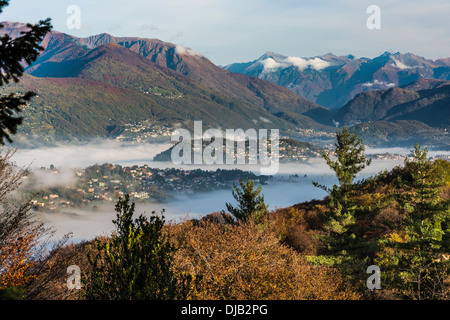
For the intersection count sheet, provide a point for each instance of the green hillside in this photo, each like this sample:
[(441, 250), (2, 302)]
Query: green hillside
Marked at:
[(404, 133), (429, 104)]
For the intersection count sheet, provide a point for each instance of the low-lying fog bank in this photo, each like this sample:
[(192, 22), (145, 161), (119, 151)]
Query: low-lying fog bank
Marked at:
[(86, 223)]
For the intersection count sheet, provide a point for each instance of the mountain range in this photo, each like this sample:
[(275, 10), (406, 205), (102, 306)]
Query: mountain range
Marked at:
[(425, 100), (94, 86), (332, 81), (89, 86)]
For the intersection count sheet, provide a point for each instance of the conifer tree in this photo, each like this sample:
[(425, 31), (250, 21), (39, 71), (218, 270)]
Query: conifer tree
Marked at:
[(350, 160), (426, 211), (420, 261), (14, 53), (250, 201)]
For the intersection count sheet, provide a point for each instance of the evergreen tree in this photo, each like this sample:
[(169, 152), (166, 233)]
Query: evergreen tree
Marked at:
[(135, 263), (420, 262), (13, 54), (250, 201), (343, 244), (421, 200), (350, 160)]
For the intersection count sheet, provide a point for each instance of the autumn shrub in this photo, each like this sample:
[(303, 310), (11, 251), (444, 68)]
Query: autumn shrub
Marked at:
[(291, 227), (218, 217), (24, 241), (16, 256), (51, 284), (388, 219), (247, 261), (20, 233)]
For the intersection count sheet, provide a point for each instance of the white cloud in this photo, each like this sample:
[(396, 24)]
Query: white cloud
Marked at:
[(316, 63), (379, 83), (297, 62), (187, 51), (73, 156), (48, 179), (270, 64)]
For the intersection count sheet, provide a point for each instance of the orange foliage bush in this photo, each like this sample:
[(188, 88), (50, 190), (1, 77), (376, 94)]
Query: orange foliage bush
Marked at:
[(292, 227), (23, 238), (247, 261), (16, 259), (52, 269)]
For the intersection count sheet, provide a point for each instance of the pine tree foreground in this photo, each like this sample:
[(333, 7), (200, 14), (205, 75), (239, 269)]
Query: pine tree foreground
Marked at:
[(250, 202), (416, 258), (350, 160)]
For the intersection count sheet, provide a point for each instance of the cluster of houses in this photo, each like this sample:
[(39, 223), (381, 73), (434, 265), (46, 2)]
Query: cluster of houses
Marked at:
[(290, 152), (395, 156), (109, 182), (143, 132), (311, 133)]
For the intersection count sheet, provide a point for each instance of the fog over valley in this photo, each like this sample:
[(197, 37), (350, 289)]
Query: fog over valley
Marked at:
[(74, 156), (86, 223)]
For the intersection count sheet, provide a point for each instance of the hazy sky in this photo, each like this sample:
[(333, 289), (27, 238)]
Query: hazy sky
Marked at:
[(227, 31)]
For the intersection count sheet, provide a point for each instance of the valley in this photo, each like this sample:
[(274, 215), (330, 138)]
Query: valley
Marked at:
[(224, 151)]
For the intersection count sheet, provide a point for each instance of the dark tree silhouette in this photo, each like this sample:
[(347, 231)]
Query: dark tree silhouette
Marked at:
[(15, 53), (135, 262)]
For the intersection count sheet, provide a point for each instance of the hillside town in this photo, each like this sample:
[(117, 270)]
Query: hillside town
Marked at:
[(107, 182), (144, 131), (289, 150)]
